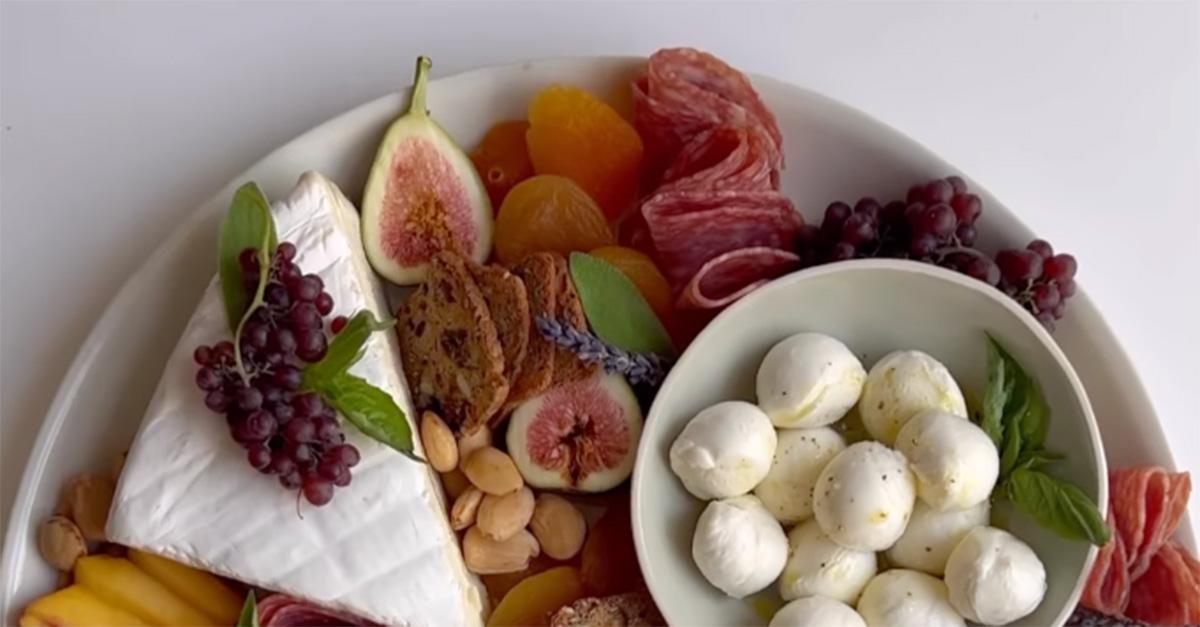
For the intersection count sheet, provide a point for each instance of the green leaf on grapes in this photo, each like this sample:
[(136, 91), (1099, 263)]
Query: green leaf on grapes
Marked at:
[(347, 347), (615, 309), (370, 409), (249, 615), (1057, 505), (247, 224)]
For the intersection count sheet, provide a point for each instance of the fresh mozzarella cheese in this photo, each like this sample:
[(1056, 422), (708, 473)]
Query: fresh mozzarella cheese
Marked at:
[(724, 451), (955, 462), (816, 612), (819, 566), (864, 497), (738, 546), (994, 578), (931, 536), (382, 549), (907, 598), (903, 384), (809, 380), (800, 456)]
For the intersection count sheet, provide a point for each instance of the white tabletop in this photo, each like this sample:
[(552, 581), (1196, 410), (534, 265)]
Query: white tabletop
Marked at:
[(118, 119)]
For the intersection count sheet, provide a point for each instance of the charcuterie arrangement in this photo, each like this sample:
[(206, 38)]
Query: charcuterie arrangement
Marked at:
[(426, 409)]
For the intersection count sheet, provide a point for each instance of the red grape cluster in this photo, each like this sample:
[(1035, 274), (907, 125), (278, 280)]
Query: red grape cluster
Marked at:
[(286, 432), (935, 223)]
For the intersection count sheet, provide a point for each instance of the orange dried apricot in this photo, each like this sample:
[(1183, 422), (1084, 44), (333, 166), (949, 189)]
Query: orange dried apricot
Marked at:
[(502, 159), (533, 600), (548, 213), (577, 135), (645, 275), (609, 563)]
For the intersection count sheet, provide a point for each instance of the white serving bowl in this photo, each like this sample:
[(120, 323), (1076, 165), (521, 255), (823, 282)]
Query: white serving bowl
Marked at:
[(875, 307)]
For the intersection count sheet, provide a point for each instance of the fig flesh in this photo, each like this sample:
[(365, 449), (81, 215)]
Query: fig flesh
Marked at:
[(423, 196)]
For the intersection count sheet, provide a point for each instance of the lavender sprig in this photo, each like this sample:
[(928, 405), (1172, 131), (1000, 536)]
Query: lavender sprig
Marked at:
[(647, 368), (1084, 617)]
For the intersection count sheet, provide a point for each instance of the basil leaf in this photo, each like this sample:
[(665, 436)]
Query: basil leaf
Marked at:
[(1036, 419), (370, 409), (249, 615), (247, 224), (616, 310), (995, 395), (1058, 506), (1012, 450), (346, 348), (1037, 458)]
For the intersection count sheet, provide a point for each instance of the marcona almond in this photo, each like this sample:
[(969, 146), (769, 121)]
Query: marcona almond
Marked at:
[(470, 442), (493, 471), (501, 517), (558, 526), (455, 483), (485, 556), (60, 542), (90, 496), (440, 448), (462, 514)]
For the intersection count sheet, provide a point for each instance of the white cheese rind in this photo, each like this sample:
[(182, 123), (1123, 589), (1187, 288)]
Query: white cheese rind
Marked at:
[(382, 549)]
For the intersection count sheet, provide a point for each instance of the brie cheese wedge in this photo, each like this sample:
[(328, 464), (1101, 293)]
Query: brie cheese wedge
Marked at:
[(381, 549)]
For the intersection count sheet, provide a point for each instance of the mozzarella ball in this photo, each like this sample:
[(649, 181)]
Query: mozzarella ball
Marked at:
[(800, 455), (903, 384), (864, 497), (809, 380), (931, 536), (955, 462), (994, 578), (724, 451), (816, 612), (818, 565), (907, 598), (738, 546)]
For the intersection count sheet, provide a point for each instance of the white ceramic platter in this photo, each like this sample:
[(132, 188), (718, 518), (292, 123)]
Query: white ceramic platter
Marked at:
[(833, 153)]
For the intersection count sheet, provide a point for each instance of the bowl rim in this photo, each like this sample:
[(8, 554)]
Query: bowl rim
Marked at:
[(995, 296)]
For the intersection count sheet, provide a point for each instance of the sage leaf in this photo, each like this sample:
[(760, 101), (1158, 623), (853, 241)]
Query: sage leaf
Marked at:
[(247, 224), (369, 408), (1057, 505), (346, 348), (995, 395), (249, 615), (615, 309)]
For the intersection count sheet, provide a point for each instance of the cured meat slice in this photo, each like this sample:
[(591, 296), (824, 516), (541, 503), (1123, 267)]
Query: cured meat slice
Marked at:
[(732, 275), (1147, 505), (690, 228), (1168, 593), (1107, 589), (281, 610), (724, 158)]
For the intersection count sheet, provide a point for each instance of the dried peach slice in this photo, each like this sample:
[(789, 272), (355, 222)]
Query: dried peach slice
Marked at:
[(533, 600)]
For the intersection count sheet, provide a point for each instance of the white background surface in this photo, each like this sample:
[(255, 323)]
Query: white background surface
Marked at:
[(118, 119)]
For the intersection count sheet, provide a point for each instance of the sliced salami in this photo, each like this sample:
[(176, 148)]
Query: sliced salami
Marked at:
[(1147, 504), (690, 228), (1107, 589), (281, 610), (732, 275), (1168, 593), (724, 158)]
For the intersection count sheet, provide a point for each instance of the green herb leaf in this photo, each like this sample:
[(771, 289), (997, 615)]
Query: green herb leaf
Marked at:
[(249, 615), (616, 310), (1037, 459), (346, 348), (1035, 422), (1057, 505), (1011, 451), (370, 409), (995, 395), (247, 224)]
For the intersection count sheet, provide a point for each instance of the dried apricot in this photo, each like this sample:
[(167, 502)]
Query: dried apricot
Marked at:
[(645, 275), (609, 563), (577, 135), (531, 601), (548, 213), (502, 159)]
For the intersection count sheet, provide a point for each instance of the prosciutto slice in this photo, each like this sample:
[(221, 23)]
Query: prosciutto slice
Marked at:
[(281, 610), (730, 276)]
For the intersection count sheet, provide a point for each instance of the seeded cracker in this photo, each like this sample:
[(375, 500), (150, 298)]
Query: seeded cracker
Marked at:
[(537, 272), (509, 306), (449, 345), (568, 368)]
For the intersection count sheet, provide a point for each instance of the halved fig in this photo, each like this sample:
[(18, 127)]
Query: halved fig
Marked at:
[(423, 196), (579, 437)]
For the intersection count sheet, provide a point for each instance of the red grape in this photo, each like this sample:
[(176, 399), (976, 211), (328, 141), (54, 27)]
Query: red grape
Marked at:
[(1042, 248), (1018, 266), (304, 316), (289, 377), (207, 379), (203, 355), (858, 229), (1046, 297), (311, 345), (290, 480), (938, 191), (346, 453), (324, 303), (1060, 267), (318, 491), (957, 184), (842, 251), (286, 251), (248, 260), (217, 401), (338, 324), (259, 456), (1066, 288), (299, 429), (967, 208)]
